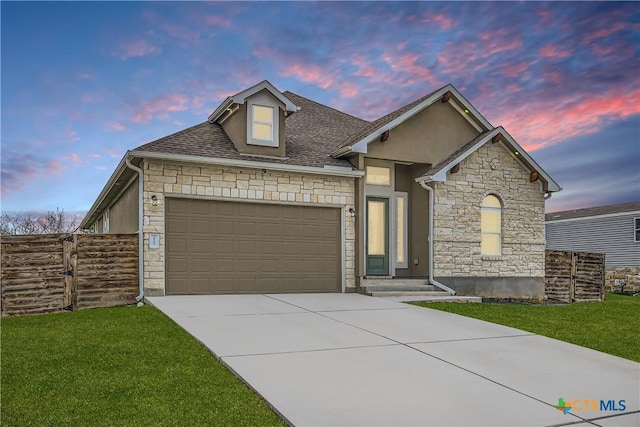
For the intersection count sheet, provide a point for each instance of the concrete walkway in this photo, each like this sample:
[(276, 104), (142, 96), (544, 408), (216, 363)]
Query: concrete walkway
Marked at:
[(353, 360)]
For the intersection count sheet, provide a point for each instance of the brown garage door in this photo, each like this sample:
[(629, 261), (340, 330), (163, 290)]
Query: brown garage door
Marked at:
[(220, 247)]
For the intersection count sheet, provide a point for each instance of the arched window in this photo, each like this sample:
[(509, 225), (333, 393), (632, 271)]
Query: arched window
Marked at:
[(491, 226)]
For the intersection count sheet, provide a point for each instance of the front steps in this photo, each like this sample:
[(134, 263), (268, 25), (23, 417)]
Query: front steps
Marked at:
[(405, 290)]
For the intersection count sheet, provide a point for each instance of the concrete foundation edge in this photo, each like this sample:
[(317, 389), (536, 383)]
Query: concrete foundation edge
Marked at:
[(496, 287)]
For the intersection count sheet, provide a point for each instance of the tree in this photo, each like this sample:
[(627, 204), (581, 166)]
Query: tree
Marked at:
[(52, 222)]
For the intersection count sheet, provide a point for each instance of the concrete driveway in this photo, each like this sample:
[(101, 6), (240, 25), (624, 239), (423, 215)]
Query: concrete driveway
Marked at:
[(353, 360)]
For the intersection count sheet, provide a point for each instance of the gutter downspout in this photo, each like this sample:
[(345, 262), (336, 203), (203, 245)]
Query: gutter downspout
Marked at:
[(548, 196), (431, 279), (140, 233)]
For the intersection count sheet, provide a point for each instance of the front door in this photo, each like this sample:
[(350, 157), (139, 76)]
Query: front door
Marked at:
[(377, 236)]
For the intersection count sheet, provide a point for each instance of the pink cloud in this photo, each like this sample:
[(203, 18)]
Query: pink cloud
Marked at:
[(543, 121), (493, 42), (218, 21), (160, 106), (309, 73), (441, 20), (113, 154), (407, 63), (54, 166), (551, 51), (136, 48), (457, 58), (117, 126), (604, 32), (515, 70)]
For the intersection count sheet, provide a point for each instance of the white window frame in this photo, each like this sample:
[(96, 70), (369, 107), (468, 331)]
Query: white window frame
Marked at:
[(498, 233), (636, 229), (263, 100), (404, 196)]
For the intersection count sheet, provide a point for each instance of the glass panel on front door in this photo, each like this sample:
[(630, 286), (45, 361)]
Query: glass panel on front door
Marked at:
[(377, 236)]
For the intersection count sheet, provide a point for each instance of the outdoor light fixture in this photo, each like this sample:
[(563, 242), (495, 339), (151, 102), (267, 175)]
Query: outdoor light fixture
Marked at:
[(352, 212), (154, 200)]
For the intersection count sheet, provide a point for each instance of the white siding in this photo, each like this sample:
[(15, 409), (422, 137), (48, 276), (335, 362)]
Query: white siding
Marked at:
[(613, 235)]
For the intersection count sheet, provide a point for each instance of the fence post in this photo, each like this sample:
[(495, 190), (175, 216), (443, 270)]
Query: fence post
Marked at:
[(574, 274), (74, 265), (67, 270), (603, 276), (70, 267)]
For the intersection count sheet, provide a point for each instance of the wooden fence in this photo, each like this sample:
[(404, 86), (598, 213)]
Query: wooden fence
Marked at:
[(53, 272), (574, 276)]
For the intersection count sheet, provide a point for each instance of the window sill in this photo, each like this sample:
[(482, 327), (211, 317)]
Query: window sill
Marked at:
[(492, 257)]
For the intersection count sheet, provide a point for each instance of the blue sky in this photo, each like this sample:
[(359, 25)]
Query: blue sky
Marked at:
[(82, 82)]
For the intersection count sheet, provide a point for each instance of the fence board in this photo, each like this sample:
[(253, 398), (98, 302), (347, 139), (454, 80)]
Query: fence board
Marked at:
[(105, 272)]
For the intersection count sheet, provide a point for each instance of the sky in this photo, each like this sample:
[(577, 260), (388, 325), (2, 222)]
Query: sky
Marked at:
[(83, 82)]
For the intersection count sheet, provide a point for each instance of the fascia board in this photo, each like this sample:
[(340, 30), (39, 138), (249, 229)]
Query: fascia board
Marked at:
[(122, 166), (361, 145), (441, 174), (220, 110), (552, 186), (249, 164), (591, 217)]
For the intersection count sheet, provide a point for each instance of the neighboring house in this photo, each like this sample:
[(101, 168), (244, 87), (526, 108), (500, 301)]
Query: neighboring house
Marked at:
[(278, 193), (613, 230)]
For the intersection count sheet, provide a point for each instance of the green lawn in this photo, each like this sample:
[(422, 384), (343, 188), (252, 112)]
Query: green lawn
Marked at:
[(118, 366), (612, 326)]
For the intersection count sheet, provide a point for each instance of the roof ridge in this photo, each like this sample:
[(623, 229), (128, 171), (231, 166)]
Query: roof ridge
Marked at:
[(325, 106)]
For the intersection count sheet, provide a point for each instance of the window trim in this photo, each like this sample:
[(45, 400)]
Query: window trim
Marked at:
[(636, 229), (405, 229), (263, 100), (493, 233)]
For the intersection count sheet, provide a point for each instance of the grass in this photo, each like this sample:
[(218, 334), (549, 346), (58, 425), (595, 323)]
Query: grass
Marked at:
[(118, 366), (612, 326)]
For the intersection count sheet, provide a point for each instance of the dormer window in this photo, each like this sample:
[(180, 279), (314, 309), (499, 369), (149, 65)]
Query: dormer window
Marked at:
[(262, 121), (262, 124)]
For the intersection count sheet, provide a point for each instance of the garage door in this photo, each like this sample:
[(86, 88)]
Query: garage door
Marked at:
[(220, 247)]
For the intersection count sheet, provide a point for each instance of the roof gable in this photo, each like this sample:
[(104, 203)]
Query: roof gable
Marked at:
[(359, 142), (438, 172), (241, 97)]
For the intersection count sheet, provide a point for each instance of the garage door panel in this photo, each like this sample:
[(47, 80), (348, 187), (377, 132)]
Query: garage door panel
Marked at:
[(178, 224), (217, 247)]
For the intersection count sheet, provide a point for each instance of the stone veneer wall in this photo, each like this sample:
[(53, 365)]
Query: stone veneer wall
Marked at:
[(489, 170), (622, 279), (237, 184)]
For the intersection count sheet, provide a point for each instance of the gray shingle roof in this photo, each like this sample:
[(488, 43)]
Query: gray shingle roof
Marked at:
[(310, 134), (594, 211)]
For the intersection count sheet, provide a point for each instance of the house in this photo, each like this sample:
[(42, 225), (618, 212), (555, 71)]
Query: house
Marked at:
[(613, 230), (277, 193)]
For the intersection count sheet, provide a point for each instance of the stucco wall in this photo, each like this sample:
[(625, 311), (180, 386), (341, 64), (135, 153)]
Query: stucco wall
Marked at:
[(490, 170), (166, 180), (428, 137)]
